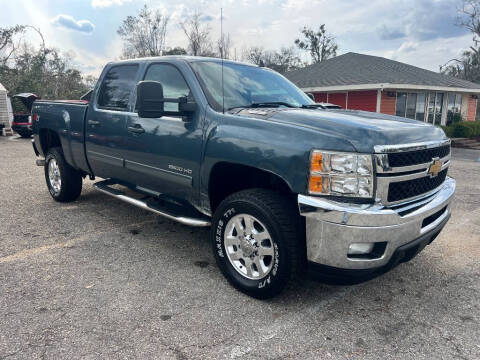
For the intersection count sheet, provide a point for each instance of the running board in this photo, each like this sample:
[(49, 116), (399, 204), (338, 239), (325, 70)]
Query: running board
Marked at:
[(170, 211)]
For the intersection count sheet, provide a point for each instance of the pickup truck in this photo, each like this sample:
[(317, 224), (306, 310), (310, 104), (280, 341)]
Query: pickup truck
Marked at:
[(288, 188)]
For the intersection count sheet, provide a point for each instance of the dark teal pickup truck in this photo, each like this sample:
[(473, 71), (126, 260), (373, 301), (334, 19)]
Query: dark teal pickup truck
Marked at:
[(288, 188)]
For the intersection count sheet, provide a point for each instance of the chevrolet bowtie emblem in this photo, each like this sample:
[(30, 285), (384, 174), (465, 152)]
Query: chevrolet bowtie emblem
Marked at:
[(435, 168)]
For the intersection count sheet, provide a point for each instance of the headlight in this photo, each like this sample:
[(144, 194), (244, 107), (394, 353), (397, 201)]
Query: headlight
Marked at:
[(341, 174)]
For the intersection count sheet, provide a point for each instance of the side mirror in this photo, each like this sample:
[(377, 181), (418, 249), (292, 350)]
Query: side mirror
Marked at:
[(310, 95), (186, 107), (150, 102)]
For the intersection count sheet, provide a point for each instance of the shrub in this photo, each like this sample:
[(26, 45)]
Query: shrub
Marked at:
[(462, 130), (457, 117)]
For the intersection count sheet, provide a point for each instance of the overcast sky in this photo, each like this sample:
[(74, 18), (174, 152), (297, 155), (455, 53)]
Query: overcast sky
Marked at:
[(418, 32)]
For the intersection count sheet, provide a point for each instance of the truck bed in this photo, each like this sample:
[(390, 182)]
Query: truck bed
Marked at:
[(67, 119)]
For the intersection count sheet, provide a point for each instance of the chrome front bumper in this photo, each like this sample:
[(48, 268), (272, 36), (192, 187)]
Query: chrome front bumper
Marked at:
[(331, 227)]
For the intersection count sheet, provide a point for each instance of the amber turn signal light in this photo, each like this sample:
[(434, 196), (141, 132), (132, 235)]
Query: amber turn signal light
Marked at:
[(317, 162), (316, 184)]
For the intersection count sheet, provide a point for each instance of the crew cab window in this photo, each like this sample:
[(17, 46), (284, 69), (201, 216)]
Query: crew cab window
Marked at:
[(117, 87), (174, 85)]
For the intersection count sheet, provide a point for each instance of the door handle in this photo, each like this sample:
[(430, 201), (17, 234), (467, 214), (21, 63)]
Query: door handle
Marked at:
[(136, 129), (93, 122)]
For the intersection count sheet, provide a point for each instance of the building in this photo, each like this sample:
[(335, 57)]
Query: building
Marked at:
[(363, 82), (4, 109)]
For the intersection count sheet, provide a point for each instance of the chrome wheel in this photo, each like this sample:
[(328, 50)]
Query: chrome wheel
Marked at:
[(54, 176), (249, 246)]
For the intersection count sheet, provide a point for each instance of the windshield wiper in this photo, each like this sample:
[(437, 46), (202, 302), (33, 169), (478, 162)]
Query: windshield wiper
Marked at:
[(312, 106), (264, 104), (271, 104)]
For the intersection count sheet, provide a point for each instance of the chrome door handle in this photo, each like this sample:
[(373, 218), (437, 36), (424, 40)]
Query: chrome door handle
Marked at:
[(136, 129), (93, 122)]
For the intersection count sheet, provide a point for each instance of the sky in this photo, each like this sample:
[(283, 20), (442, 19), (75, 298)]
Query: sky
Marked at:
[(418, 32)]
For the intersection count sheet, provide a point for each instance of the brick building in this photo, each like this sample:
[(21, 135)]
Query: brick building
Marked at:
[(363, 82)]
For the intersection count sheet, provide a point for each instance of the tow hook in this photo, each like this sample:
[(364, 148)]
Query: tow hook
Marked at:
[(40, 162)]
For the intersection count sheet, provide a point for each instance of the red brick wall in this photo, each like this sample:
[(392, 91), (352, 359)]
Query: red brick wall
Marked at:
[(387, 105), (338, 99), (472, 107), (320, 97), (362, 100)]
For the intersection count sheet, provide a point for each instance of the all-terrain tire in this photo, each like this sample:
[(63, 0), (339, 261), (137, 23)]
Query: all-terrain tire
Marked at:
[(70, 185), (278, 215)]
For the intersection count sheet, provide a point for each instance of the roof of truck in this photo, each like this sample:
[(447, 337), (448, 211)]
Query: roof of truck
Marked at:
[(187, 58)]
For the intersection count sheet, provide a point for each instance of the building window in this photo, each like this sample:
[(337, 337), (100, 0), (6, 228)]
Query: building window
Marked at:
[(420, 114), (435, 108), (411, 105), (454, 106), (401, 104)]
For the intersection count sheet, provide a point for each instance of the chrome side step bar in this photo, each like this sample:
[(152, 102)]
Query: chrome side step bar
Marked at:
[(157, 208)]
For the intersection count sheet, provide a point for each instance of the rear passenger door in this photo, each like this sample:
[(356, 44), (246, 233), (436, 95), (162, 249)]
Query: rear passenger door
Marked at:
[(106, 127)]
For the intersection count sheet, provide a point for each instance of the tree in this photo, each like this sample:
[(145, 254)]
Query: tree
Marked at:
[(223, 46), (281, 61), (144, 34), (175, 51), (284, 60), (8, 44), (467, 66), (319, 44), (255, 54), (198, 35)]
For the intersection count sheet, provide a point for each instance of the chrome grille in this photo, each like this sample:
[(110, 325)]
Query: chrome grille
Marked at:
[(403, 171), (409, 158), (410, 188)]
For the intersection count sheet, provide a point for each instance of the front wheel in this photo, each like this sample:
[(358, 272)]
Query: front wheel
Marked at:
[(64, 183), (256, 241)]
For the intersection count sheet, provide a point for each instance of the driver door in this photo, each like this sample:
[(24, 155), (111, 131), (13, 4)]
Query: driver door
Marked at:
[(163, 154)]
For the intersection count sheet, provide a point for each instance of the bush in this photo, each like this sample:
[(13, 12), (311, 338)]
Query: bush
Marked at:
[(462, 129)]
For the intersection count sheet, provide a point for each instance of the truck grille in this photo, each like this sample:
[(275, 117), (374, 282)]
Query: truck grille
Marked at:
[(410, 188), (403, 171), (410, 158)]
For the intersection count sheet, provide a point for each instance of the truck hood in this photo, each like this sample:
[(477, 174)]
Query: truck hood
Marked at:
[(362, 129)]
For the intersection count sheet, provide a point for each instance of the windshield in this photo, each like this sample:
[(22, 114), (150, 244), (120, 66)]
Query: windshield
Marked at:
[(246, 85)]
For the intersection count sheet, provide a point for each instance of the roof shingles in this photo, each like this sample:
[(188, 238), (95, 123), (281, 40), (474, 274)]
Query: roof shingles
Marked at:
[(358, 69)]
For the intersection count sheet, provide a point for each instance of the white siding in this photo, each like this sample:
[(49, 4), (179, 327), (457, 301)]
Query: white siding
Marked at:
[(3, 107)]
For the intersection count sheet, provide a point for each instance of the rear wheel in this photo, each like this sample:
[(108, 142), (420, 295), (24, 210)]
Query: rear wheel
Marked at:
[(256, 241), (64, 183)]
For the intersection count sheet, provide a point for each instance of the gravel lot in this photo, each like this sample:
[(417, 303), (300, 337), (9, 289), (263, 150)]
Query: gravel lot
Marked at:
[(98, 278)]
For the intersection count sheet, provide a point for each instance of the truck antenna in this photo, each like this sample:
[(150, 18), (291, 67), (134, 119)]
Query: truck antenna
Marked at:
[(222, 55)]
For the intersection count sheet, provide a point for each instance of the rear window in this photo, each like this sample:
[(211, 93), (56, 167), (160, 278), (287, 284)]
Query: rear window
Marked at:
[(117, 87)]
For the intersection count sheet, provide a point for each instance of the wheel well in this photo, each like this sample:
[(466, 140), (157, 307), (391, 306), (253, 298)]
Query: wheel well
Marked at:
[(49, 139), (228, 178)]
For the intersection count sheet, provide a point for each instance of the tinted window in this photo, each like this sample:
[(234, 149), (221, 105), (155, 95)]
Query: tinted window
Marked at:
[(117, 86), (174, 85)]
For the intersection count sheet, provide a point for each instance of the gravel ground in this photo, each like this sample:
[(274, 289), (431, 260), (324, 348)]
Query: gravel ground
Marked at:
[(98, 278)]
